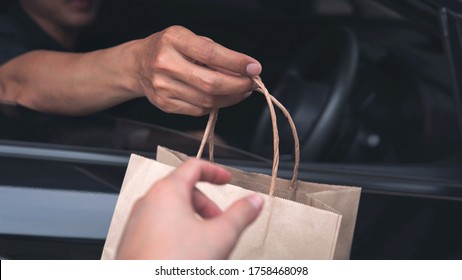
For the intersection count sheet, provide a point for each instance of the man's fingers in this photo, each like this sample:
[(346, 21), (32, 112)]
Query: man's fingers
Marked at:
[(196, 84), (211, 53), (210, 80)]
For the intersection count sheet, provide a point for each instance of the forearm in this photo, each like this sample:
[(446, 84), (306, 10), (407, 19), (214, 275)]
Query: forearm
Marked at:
[(174, 68), (70, 83)]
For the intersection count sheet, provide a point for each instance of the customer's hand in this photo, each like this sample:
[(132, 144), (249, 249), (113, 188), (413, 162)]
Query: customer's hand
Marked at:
[(164, 223), (184, 73)]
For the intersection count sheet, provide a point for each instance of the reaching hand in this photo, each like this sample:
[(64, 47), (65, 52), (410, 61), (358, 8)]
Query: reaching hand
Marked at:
[(164, 223), (184, 73), (177, 70)]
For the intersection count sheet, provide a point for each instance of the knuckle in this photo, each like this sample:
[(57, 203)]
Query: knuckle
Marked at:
[(207, 51), (198, 112), (160, 103), (160, 62), (209, 84), (168, 108), (173, 34), (163, 104), (170, 34), (207, 102), (175, 29), (158, 84)]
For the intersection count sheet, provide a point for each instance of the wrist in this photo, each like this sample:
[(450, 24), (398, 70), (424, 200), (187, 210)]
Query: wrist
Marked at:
[(125, 67)]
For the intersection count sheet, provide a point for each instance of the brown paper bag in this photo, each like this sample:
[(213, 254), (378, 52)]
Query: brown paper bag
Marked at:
[(318, 225), (300, 220)]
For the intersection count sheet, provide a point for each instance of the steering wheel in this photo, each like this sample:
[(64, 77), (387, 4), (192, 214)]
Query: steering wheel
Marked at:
[(315, 89)]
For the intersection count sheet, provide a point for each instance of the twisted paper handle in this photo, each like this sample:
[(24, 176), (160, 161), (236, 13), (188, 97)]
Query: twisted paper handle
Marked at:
[(270, 100)]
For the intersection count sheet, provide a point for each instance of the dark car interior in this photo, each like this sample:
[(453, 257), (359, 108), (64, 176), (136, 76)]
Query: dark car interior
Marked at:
[(369, 84), (364, 83)]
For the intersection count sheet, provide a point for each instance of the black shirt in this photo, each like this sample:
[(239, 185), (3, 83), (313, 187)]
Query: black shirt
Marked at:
[(20, 34)]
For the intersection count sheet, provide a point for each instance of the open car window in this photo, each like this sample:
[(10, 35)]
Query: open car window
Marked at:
[(371, 85)]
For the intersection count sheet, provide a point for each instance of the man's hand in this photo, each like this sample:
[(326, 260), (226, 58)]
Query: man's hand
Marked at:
[(184, 73), (177, 70), (164, 223)]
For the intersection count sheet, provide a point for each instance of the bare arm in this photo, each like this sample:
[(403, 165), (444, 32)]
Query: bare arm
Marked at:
[(70, 83), (172, 68)]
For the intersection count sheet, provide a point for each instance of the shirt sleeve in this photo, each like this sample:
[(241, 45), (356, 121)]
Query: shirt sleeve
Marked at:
[(11, 41)]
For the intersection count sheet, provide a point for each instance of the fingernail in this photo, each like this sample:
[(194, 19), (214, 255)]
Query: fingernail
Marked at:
[(253, 69), (256, 201), (247, 94)]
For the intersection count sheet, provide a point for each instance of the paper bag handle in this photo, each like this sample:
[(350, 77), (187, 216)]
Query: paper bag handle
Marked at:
[(210, 128)]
